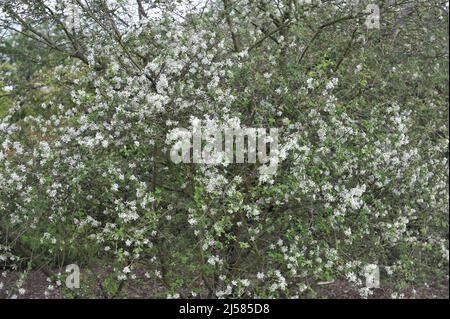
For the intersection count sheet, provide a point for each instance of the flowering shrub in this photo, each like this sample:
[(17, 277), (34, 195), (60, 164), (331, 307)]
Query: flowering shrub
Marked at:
[(86, 176)]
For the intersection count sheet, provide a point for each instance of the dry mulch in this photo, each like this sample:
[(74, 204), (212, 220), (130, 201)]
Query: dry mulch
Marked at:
[(36, 284), (343, 290)]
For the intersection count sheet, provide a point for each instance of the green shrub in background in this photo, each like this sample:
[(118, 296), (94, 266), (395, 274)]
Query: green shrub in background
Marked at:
[(86, 176)]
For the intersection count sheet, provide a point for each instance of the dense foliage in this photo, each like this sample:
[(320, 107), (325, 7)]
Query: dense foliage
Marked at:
[(85, 173)]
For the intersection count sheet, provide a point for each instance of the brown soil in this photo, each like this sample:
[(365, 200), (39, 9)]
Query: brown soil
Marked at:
[(36, 284)]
